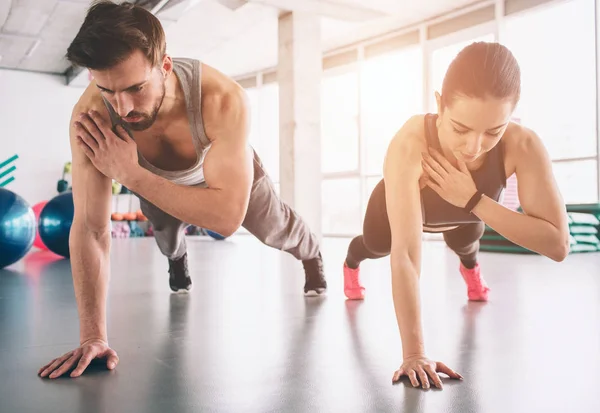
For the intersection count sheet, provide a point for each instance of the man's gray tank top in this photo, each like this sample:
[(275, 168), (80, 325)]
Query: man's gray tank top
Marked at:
[(188, 71)]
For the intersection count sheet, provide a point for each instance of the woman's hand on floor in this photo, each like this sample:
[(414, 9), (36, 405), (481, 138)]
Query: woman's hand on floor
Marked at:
[(421, 371)]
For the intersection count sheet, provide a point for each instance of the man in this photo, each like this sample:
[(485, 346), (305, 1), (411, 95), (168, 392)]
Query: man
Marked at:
[(175, 132)]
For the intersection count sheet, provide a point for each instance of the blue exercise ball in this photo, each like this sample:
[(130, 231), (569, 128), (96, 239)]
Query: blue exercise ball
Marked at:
[(215, 235), (55, 223), (17, 227)]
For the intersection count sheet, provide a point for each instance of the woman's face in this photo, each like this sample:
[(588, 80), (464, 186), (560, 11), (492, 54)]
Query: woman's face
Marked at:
[(470, 127)]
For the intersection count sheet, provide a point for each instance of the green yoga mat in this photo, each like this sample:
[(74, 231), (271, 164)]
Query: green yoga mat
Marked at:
[(583, 230), (582, 218), (492, 237), (587, 239), (584, 248), (513, 249), (587, 208)]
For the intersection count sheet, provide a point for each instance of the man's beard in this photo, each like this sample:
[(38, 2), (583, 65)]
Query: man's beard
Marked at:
[(147, 120)]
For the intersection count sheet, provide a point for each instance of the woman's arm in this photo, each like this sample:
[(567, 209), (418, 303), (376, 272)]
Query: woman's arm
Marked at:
[(543, 227), (402, 170)]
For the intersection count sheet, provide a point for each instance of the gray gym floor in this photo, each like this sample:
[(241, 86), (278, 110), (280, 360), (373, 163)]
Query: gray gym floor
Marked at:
[(247, 340)]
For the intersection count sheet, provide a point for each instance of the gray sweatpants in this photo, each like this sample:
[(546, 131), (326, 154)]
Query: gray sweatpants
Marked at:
[(268, 218)]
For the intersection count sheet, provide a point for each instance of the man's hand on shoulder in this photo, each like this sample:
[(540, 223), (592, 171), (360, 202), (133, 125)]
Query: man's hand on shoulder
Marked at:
[(114, 153)]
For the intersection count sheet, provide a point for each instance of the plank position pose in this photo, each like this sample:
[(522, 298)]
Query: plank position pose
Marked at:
[(175, 132), (445, 172)]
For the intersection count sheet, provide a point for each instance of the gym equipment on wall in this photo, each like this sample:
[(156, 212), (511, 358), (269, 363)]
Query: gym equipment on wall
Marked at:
[(63, 184), (4, 181)]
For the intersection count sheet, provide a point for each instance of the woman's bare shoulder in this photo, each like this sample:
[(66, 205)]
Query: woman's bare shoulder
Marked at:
[(520, 143), (407, 145)]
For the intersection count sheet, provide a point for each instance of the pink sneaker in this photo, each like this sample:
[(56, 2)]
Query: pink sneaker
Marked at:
[(352, 287), (477, 289)]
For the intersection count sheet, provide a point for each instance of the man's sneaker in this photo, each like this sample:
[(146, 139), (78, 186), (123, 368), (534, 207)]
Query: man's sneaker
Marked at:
[(315, 283), (477, 289), (179, 278), (353, 289)]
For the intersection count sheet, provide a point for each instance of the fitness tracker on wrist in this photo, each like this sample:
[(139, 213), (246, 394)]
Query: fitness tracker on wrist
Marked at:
[(473, 201)]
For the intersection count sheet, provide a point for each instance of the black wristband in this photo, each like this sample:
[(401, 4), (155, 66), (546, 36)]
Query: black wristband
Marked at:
[(473, 201)]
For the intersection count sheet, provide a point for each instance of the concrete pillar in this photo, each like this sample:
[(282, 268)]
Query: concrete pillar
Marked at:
[(597, 9), (299, 74)]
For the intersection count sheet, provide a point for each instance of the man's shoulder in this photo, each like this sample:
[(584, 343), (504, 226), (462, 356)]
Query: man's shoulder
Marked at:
[(222, 97)]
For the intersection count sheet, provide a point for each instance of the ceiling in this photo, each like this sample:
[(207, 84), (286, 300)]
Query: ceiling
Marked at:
[(236, 36)]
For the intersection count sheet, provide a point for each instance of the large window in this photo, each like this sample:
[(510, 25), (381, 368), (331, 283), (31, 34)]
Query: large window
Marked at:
[(341, 195), (339, 122), (341, 200), (391, 92), (267, 130), (555, 48), (254, 137), (366, 102), (264, 127), (576, 181)]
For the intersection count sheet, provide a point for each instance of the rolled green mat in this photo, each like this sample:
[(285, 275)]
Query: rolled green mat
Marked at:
[(490, 232), (512, 249), (587, 239), (492, 237), (577, 248), (584, 248), (587, 208), (500, 241), (583, 230), (581, 218)]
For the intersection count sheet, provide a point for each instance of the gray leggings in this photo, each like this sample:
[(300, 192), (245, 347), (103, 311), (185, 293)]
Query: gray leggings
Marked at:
[(268, 218), (376, 240)]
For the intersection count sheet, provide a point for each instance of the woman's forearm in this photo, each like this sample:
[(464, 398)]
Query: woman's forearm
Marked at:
[(532, 233), (407, 304)]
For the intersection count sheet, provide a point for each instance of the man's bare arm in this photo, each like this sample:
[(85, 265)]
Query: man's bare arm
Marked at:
[(89, 241), (228, 172), (89, 244)]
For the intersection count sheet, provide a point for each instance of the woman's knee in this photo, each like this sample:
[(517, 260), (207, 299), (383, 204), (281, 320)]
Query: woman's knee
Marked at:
[(377, 245)]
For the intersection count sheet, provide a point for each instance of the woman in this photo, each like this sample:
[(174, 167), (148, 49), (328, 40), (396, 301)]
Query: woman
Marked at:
[(446, 173)]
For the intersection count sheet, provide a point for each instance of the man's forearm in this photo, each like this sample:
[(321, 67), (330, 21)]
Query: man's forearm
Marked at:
[(90, 264), (202, 207), (529, 232)]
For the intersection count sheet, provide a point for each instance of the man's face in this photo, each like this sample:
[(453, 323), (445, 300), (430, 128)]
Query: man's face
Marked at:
[(134, 88)]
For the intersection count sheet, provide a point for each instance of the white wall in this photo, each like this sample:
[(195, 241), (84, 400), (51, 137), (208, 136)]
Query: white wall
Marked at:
[(34, 123)]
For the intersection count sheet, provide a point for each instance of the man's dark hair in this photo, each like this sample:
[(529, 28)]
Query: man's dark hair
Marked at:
[(111, 32)]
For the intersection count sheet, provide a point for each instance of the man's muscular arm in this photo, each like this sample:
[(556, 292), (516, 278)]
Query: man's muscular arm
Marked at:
[(89, 245), (228, 171)]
